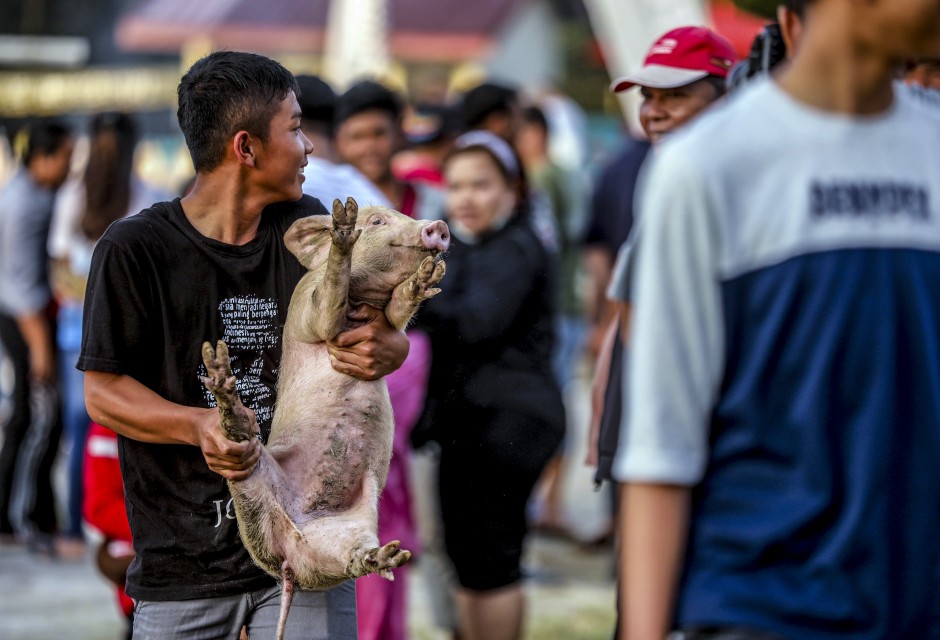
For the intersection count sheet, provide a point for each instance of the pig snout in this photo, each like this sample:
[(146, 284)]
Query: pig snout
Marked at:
[(436, 236)]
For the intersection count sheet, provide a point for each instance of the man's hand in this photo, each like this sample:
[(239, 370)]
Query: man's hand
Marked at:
[(42, 364), (37, 335), (371, 351), (231, 460)]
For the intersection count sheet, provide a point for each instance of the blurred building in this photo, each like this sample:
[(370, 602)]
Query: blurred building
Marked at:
[(515, 41), (625, 29), (60, 57)]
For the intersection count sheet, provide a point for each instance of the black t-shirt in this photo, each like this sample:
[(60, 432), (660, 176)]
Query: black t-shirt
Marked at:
[(157, 290), (491, 330), (612, 205)]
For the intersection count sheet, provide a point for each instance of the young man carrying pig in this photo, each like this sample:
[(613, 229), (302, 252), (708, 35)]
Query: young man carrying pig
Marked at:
[(210, 266)]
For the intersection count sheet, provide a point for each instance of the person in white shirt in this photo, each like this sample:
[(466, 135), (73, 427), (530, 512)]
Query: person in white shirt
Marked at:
[(326, 176)]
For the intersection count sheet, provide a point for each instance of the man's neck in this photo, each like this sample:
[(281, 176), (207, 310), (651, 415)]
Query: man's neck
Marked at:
[(37, 179), (833, 73), (219, 209)]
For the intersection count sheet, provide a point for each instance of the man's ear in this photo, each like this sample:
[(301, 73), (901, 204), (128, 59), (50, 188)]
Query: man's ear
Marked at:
[(243, 146), (791, 28)]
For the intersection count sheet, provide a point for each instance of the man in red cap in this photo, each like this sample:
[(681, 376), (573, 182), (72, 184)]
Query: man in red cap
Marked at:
[(682, 74)]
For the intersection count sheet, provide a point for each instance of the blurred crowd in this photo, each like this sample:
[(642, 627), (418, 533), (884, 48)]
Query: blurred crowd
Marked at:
[(544, 284), (370, 143)]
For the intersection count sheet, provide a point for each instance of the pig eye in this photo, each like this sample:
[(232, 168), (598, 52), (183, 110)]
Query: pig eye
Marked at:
[(378, 221)]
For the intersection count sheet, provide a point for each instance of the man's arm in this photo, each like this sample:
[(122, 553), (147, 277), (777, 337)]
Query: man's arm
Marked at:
[(598, 265), (598, 390), (653, 524), (371, 351), (127, 407), (676, 336), (602, 365), (37, 334)]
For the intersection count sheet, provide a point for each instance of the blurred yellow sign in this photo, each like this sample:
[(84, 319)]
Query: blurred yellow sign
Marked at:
[(31, 93)]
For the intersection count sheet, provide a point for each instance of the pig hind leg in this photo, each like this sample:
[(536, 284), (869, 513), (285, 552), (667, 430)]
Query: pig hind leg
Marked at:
[(344, 545), (367, 556), (264, 525), (236, 422), (382, 560)]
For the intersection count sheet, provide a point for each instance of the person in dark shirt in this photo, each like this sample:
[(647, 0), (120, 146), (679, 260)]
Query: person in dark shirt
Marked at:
[(493, 403), (609, 223)]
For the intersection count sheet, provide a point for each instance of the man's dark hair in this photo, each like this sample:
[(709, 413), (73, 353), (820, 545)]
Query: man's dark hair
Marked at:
[(227, 92), (484, 100), (44, 138), (718, 84), (534, 115), (797, 6), (430, 123), (317, 103), (368, 95), (107, 178)]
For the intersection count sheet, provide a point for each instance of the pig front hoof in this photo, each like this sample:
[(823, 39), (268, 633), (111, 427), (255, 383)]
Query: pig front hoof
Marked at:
[(429, 273), (383, 559), (219, 369), (344, 224)]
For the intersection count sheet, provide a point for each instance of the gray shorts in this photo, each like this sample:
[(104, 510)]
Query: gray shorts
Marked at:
[(314, 615)]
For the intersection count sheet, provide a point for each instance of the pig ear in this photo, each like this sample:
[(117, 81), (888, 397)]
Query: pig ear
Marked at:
[(307, 237)]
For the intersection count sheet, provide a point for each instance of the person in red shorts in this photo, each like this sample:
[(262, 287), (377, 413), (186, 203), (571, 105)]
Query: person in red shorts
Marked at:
[(104, 509)]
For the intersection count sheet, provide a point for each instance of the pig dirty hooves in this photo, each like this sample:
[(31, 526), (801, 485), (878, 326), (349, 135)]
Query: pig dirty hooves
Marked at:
[(344, 230), (221, 383), (220, 380), (382, 560), (429, 273)]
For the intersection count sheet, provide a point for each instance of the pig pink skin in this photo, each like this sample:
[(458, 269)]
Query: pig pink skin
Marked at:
[(312, 499)]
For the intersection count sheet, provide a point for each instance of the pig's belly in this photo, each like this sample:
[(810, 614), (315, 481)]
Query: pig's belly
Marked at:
[(331, 432)]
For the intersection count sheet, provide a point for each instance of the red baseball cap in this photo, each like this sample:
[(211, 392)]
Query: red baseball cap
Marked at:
[(681, 57)]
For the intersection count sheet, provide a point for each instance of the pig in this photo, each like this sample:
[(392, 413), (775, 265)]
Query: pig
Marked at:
[(307, 513)]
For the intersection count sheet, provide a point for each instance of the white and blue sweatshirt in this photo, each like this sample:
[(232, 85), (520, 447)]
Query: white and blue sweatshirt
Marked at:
[(786, 364)]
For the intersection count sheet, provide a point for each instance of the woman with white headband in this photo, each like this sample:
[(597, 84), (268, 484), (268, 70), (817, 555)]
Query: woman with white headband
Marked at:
[(493, 404)]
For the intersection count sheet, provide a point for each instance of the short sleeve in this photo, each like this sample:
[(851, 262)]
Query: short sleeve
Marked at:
[(27, 287), (117, 328), (677, 339)]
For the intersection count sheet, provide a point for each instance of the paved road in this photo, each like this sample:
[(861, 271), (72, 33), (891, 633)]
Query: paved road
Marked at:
[(570, 597), (571, 592)]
